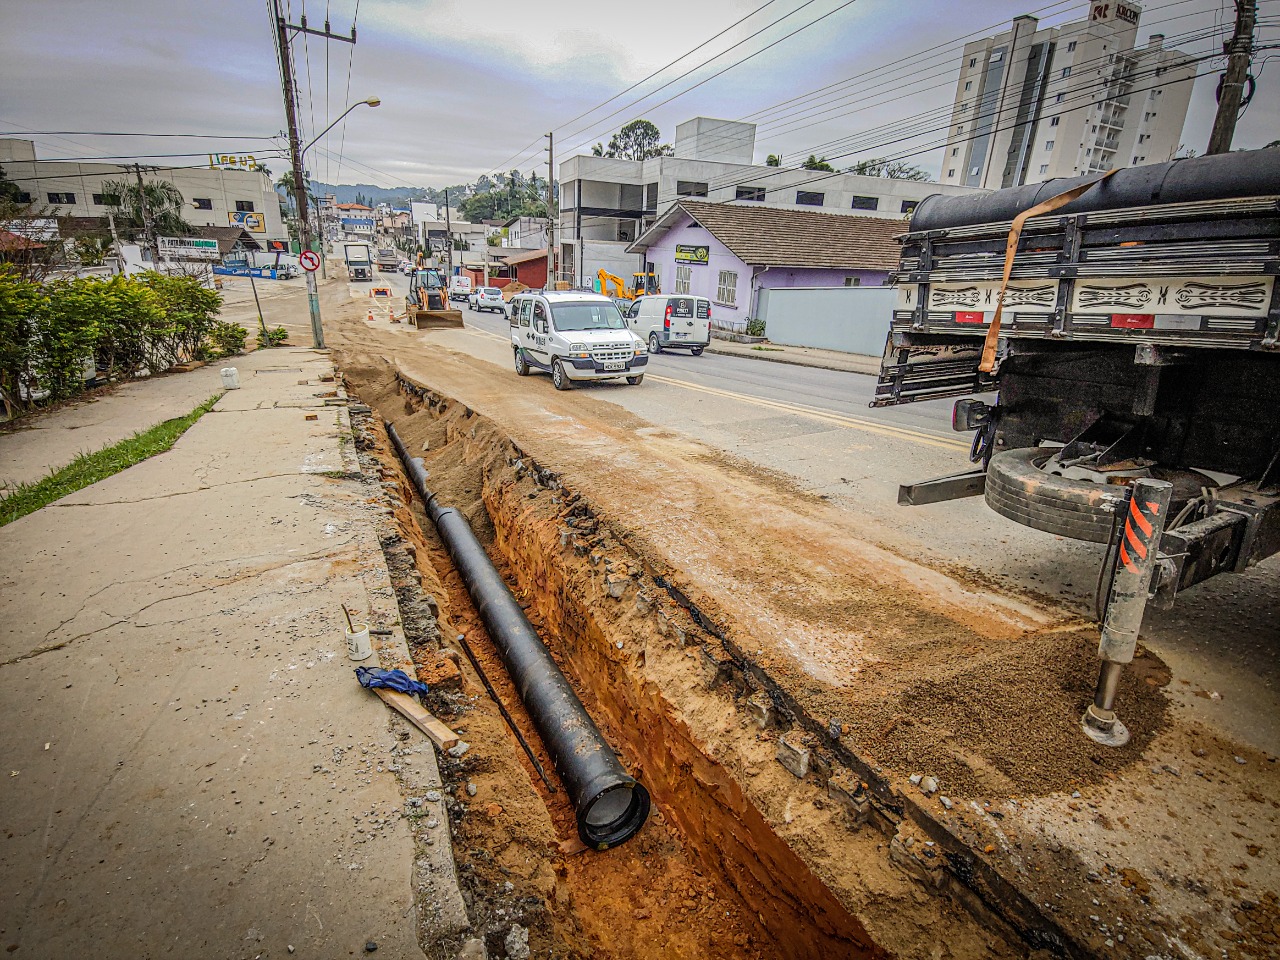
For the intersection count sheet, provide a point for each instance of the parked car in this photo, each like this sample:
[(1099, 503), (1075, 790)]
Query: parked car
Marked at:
[(487, 298), (574, 336), (666, 321), (405, 267)]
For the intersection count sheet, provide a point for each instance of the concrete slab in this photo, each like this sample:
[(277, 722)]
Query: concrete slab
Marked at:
[(191, 768)]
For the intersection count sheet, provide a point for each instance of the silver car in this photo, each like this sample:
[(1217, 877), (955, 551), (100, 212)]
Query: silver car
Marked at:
[(487, 298)]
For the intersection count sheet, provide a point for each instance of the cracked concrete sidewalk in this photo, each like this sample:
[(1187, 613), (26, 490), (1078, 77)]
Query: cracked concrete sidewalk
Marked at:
[(190, 767)]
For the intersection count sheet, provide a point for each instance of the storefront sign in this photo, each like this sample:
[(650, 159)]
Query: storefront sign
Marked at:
[(689, 253), (188, 248), (253, 222)]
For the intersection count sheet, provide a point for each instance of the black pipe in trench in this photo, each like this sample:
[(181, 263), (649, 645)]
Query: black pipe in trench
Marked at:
[(610, 804)]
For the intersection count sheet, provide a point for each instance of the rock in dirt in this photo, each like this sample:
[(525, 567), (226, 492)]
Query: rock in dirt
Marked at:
[(459, 749), (517, 943), (473, 949), (928, 785)]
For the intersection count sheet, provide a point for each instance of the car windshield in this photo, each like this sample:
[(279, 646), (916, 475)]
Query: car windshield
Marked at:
[(492, 292), (587, 316)]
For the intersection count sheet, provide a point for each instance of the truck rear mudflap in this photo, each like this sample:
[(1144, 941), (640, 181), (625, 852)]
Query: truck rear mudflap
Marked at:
[(926, 368)]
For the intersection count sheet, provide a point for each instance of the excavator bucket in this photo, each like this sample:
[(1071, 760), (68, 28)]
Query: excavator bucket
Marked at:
[(436, 314)]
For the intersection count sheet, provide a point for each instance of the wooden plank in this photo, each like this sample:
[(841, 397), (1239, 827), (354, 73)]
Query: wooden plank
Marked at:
[(419, 716)]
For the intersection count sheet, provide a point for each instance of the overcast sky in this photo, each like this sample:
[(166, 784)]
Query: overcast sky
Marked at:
[(467, 88)]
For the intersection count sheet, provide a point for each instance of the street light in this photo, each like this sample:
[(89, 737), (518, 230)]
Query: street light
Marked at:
[(300, 200)]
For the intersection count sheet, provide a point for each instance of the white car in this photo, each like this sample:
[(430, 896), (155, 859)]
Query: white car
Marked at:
[(574, 336), (487, 298)]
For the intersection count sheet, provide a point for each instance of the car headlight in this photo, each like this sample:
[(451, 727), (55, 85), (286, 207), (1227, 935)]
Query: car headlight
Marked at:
[(640, 347)]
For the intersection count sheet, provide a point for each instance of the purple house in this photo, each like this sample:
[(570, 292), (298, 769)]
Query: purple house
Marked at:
[(729, 252)]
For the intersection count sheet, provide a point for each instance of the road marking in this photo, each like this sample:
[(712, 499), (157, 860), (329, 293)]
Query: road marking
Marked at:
[(843, 420), (839, 419)]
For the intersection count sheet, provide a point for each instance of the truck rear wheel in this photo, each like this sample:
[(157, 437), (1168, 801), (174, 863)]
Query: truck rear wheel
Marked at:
[(1019, 489)]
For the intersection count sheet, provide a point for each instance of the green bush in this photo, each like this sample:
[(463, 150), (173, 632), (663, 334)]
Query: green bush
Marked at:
[(273, 337), (225, 339), (21, 303), (190, 312), (755, 327)]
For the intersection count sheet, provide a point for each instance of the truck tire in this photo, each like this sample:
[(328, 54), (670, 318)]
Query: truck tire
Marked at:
[(1017, 488), (559, 379), (654, 345), (696, 351)]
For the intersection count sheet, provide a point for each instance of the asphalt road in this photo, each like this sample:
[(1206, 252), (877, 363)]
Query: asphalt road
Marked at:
[(814, 426)]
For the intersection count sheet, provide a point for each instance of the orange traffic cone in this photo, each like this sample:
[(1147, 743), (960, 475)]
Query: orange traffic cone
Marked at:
[(369, 318)]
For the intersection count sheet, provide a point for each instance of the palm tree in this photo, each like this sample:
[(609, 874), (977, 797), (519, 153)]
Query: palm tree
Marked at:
[(164, 202)]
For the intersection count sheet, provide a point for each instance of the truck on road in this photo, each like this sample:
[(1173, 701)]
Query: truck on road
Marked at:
[(359, 261), (1130, 332), (388, 259)]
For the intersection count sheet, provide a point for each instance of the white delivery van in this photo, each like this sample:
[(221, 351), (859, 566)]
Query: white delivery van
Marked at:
[(459, 287), (671, 320), (574, 336)]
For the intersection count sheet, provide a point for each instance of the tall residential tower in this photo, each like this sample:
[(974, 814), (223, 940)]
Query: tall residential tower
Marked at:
[(1032, 104)]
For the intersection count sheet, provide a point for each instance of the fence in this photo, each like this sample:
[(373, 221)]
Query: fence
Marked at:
[(849, 319)]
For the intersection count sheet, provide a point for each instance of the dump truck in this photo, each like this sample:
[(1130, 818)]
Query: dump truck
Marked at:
[(1122, 336), (388, 259), (359, 261), (427, 304)]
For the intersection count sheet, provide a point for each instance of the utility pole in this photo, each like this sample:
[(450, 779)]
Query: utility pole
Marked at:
[(1239, 50), (448, 232), (295, 150), (320, 232), (551, 211), (148, 225)]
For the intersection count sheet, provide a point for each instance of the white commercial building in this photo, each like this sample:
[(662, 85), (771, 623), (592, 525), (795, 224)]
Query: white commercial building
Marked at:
[(1033, 104), (606, 204), (214, 197)]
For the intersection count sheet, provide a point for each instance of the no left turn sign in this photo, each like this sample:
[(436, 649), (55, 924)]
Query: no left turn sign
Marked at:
[(309, 259)]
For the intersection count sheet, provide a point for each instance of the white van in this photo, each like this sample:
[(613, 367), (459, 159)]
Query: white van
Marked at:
[(459, 287), (574, 336), (667, 320)]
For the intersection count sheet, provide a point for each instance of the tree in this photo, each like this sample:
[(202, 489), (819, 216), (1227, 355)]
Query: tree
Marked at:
[(8, 189), (638, 140), (889, 169), (773, 160), (813, 163), (164, 203)]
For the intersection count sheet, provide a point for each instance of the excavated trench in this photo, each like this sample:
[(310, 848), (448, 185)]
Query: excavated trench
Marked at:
[(723, 868)]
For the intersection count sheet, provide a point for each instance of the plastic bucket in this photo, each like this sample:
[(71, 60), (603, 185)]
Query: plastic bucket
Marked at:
[(230, 378), (358, 646)]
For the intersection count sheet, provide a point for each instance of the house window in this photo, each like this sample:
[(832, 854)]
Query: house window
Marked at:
[(968, 85), (810, 198), (1053, 121), (951, 172), (866, 203), (62, 198), (24, 197), (1048, 144), (909, 206), (1066, 72), (973, 61), (106, 200), (964, 107), (750, 193), (955, 151), (690, 188), (973, 171), (1071, 47), (1058, 98), (727, 288), (244, 206), (1044, 168), (684, 279), (1142, 137), (853, 281), (202, 203)]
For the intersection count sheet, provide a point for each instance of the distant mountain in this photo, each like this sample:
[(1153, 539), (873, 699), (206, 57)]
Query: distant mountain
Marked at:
[(346, 192)]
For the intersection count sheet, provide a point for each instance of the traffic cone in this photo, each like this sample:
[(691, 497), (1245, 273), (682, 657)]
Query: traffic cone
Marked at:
[(369, 318)]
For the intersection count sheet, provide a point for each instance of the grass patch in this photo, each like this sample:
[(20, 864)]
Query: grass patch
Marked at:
[(89, 468), (771, 349)]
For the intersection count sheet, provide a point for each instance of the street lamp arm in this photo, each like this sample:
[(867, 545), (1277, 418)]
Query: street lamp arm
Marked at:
[(371, 102)]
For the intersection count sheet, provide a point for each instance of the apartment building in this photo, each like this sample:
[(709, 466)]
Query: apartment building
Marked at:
[(605, 204), (1032, 104), (215, 197)]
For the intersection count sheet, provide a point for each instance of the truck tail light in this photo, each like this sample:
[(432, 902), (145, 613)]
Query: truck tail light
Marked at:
[(666, 318)]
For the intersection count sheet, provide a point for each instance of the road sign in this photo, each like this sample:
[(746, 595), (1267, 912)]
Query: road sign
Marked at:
[(309, 259)]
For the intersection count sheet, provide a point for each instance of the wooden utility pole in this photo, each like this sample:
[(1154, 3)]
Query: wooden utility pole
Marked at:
[(551, 211), (448, 231), (1239, 51), (295, 150)]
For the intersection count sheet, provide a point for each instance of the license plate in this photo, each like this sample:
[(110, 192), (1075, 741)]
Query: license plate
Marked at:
[(615, 366), (680, 335)]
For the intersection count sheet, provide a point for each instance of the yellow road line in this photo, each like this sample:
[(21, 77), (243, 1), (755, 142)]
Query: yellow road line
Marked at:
[(839, 419), (844, 420)]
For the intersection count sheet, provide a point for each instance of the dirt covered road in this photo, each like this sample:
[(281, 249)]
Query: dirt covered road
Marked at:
[(873, 666)]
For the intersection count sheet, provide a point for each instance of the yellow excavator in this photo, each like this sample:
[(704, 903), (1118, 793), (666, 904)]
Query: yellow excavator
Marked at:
[(427, 304), (641, 283)]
